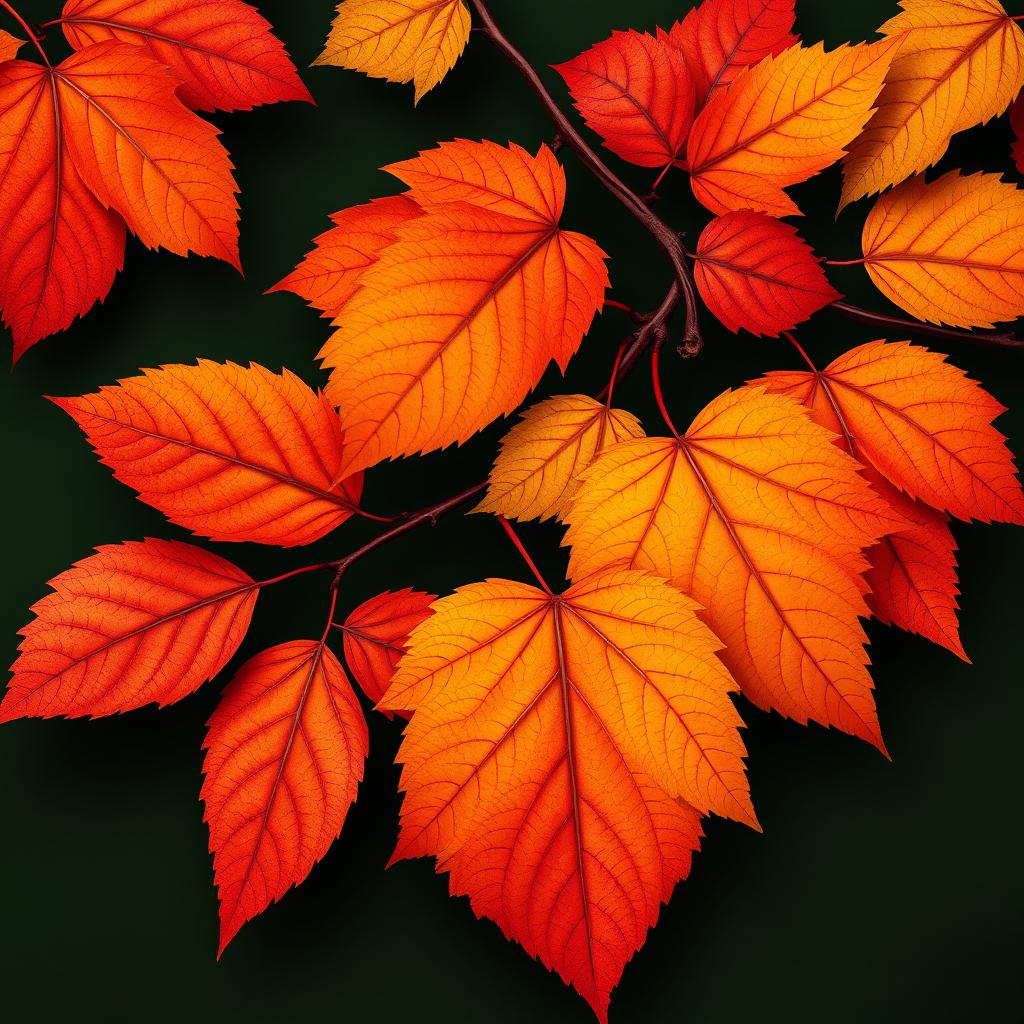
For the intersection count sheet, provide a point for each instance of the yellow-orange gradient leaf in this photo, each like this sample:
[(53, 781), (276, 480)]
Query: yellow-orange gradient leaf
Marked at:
[(552, 742), (950, 252), (538, 468), (457, 320), (759, 516), (960, 62), (415, 41), (782, 121)]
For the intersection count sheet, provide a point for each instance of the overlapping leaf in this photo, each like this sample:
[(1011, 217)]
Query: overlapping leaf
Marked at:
[(542, 458), (760, 517), (549, 738), (781, 122), (457, 320), (227, 452), (284, 757), (960, 62), (415, 41), (950, 251), (9, 45), (134, 623), (756, 272)]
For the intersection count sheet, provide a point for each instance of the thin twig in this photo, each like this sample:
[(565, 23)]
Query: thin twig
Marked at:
[(866, 316)]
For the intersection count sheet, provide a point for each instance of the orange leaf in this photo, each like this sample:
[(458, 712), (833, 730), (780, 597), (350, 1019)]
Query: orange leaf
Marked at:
[(284, 757), (756, 272), (375, 636), (329, 275), (145, 154), (549, 738), (59, 248), (781, 122), (1017, 124), (458, 319), (949, 251), (635, 91), (762, 519), (721, 37), (223, 51), (227, 452), (9, 45), (960, 62), (542, 458), (134, 623)]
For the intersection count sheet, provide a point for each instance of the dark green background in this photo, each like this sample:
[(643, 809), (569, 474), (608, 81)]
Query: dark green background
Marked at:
[(888, 892)]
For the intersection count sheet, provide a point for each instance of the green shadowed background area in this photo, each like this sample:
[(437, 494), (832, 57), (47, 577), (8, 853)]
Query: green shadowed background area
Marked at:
[(883, 892)]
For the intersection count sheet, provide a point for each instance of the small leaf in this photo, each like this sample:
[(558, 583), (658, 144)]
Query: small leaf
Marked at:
[(9, 45)]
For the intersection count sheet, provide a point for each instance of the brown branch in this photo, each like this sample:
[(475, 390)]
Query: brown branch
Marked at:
[(866, 316)]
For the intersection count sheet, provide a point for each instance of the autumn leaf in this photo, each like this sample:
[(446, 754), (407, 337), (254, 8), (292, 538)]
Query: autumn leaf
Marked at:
[(284, 757), (223, 51), (760, 518), (457, 320), (756, 272), (415, 41), (781, 122), (134, 623), (230, 453), (635, 91), (1017, 124), (375, 636), (9, 45), (549, 737), (960, 62), (329, 275), (949, 252), (721, 37)]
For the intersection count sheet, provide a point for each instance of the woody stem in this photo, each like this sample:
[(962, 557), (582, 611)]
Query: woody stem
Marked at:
[(866, 316)]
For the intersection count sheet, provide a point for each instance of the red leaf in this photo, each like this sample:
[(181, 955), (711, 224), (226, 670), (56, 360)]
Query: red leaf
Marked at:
[(635, 92), (223, 51), (756, 272), (134, 623), (375, 637), (284, 758)]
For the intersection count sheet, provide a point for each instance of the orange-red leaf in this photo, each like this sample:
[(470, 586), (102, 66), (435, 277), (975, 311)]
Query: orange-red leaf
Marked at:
[(227, 452), (756, 272), (329, 275), (375, 636), (635, 91), (284, 757), (721, 37), (759, 516), (781, 122), (549, 738), (145, 154), (9, 45), (458, 319), (134, 623), (59, 247), (1017, 124), (223, 51)]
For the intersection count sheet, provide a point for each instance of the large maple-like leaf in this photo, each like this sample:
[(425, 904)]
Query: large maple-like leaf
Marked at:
[(759, 516), (223, 51), (781, 122), (549, 737), (329, 275), (960, 62), (756, 272), (227, 452), (415, 41), (719, 38), (134, 623), (375, 636), (457, 320), (284, 757), (538, 468), (950, 252), (635, 91)]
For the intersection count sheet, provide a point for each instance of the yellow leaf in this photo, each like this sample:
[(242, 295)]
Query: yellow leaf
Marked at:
[(415, 41), (538, 468), (960, 63), (781, 122), (950, 252)]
